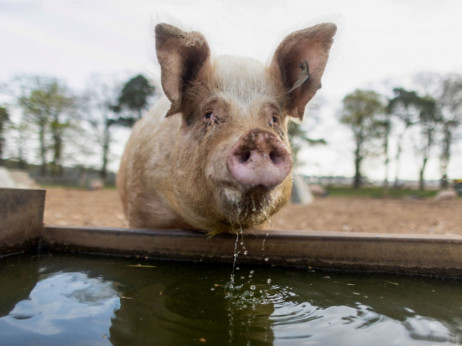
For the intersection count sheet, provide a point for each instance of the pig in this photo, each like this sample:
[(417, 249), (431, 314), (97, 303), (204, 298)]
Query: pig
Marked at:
[(446, 195), (213, 153)]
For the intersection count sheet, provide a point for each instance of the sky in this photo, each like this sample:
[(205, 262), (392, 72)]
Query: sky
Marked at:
[(378, 43)]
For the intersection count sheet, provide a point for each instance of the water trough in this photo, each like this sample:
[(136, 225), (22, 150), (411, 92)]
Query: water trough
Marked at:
[(22, 229)]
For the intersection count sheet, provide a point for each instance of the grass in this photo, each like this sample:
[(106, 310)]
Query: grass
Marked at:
[(378, 192)]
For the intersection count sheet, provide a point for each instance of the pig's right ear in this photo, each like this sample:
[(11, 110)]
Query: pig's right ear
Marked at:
[(182, 56)]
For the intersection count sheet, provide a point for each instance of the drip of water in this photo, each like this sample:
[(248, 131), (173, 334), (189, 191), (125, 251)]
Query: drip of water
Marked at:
[(270, 226), (264, 240), (236, 253)]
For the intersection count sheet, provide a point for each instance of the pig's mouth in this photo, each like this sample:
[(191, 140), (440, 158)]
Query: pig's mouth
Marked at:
[(250, 207)]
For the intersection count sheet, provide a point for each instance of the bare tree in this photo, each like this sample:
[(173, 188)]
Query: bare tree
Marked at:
[(405, 107), (102, 98)]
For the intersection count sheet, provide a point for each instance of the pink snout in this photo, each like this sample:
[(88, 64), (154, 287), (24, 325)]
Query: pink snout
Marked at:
[(259, 158)]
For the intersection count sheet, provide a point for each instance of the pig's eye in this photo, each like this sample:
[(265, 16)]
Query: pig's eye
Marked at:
[(208, 115), (274, 120)]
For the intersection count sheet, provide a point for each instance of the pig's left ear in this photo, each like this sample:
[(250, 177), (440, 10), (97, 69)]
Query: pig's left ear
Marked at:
[(182, 56), (299, 63)]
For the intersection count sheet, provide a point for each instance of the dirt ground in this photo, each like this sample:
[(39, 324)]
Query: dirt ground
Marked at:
[(103, 208)]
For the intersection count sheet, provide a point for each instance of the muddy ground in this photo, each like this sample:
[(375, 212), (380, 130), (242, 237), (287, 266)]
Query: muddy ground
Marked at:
[(103, 208)]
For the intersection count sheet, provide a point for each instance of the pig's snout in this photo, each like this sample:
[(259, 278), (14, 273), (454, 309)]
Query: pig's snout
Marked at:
[(259, 158)]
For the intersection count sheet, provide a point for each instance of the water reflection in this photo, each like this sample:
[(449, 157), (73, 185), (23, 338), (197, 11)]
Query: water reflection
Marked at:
[(80, 300), (61, 309)]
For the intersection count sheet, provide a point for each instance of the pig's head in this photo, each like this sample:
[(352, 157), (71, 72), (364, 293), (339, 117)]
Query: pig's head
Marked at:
[(232, 162)]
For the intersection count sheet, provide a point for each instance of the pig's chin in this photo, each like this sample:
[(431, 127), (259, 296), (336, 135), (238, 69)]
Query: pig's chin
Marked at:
[(250, 207)]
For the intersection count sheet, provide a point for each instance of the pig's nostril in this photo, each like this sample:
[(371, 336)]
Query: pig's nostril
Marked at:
[(275, 157), (243, 157)]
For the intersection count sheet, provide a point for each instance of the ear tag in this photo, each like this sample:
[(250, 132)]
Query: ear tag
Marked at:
[(304, 75)]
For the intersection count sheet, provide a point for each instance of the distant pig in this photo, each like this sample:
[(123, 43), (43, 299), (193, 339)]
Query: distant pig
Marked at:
[(446, 195), (214, 154)]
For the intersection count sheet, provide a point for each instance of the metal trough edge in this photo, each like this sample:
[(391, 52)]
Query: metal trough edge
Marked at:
[(395, 253)]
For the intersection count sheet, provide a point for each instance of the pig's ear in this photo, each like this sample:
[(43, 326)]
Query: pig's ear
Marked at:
[(182, 56), (299, 63)]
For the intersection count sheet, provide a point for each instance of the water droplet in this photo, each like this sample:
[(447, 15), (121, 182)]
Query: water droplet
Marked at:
[(253, 287), (245, 253), (266, 259), (212, 289), (264, 241), (252, 272), (237, 268), (268, 281)]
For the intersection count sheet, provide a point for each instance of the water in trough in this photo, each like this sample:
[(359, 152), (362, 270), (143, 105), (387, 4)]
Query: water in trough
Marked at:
[(79, 300)]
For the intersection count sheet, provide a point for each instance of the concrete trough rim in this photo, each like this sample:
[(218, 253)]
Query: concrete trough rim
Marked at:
[(252, 234), (393, 253)]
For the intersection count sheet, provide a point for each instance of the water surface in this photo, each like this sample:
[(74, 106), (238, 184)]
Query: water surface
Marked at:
[(69, 300)]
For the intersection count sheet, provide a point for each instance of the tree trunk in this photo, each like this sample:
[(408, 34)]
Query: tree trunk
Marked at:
[(21, 161), (105, 154), (445, 155), (57, 155), (56, 131), (426, 154), (398, 156), (421, 174), (2, 142), (43, 159), (358, 159), (386, 185), (387, 160)]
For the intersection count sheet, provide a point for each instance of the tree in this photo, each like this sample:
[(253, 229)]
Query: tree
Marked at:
[(4, 118), (19, 134), (101, 98), (450, 105), (300, 133), (428, 118), (133, 99), (48, 104), (384, 127), (405, 107), (360, 111), (298, 137)]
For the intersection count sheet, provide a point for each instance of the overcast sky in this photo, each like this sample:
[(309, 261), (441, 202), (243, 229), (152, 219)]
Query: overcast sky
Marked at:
[(376, 41)]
